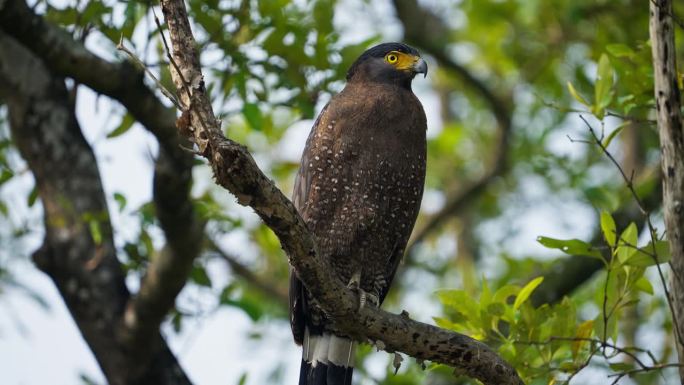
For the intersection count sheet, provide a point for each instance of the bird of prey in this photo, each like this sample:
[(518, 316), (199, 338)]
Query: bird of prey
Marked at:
[(358, 189)]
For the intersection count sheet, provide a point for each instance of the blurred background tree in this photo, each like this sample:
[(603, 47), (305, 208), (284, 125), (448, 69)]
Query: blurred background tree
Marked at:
[(510, 161)]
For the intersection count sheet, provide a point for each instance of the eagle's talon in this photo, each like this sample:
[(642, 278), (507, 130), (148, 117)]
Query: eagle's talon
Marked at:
[(364, 297), (355, 282), (368, 298)]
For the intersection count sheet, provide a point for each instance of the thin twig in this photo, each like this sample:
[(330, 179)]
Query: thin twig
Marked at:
[(572, 140), (626, 350), (647, 216), (627, 180), (142, 65), (605, 304), (584, 364), (608, 113), (184, 81), (168, 54), (641, 370)]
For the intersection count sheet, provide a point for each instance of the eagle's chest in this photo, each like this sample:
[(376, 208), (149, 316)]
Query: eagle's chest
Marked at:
[(360, 176), (367, 183)]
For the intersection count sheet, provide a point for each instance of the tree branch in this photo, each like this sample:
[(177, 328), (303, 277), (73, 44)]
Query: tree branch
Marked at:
[(78, 252), (668, 107), (235, 170), (66, 57), (427, 31), (184, 232), (168, 272)]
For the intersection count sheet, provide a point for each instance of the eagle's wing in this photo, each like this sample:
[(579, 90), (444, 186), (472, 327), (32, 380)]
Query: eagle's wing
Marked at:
[(300, 195), (393, 262)]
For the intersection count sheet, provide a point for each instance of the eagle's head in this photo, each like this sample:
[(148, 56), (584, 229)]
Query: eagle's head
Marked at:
[(395, 63)]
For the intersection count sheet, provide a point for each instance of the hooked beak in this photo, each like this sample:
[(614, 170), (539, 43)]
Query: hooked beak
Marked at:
[(420, 67)]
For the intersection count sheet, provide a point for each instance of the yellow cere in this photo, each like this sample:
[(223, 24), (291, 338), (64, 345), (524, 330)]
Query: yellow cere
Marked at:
[(400, 60)]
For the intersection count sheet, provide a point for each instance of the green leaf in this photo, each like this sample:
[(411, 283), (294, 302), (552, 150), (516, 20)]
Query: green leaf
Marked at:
[(66, 16), (95, 231), (121, 200), (253, 116), (199, 276), (87, 380), (620, 50), (602, 198), (564, 322), (613, 134), (603, 89), (608, 228), (576, 95), (5, 176), (627, 245), (583, 332), (33, 196), (485, 295), (570, 246), (526, 292), (132, 14), (621, 366), (243, 379), (565, 366), (611, 326), (445, 323), (505, 292), (496, 309), (643, 257), (177, 321), (126, 123), (94, 10), (323, 14), (252, 308), (146, 241), (459, 300), (644, 285)]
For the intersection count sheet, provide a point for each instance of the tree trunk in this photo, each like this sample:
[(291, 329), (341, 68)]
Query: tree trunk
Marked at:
[(78, 252), (668, 106)]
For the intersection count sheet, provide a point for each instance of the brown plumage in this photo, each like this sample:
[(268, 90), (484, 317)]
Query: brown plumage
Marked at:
[(359, 189)]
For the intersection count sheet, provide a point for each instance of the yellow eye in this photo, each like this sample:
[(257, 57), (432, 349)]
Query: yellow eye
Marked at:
[(391, 58)]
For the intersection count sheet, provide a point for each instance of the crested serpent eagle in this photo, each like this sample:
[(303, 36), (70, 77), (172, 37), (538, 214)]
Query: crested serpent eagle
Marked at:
[(358, 189)]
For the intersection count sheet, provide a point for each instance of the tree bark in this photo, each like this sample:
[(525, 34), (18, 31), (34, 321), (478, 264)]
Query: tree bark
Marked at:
[(668, 107)]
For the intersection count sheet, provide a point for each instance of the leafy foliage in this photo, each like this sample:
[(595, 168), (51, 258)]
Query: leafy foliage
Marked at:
[(553, 342)]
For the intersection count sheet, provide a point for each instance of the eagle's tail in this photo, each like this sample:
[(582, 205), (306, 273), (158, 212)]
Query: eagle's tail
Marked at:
[(327, 359)]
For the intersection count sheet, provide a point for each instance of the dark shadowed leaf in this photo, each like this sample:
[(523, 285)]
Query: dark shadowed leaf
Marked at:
[(199, 276), (253, 116)]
